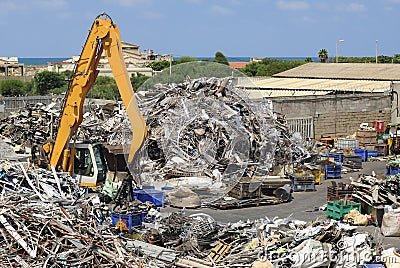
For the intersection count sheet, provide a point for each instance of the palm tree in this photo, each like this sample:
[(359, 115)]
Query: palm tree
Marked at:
[(323, 55)]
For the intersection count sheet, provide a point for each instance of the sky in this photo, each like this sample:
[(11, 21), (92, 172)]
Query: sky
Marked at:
[(199, 28)]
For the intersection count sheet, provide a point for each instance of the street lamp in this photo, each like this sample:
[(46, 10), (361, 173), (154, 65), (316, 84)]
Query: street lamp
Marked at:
[(376, 52), (337, 44)]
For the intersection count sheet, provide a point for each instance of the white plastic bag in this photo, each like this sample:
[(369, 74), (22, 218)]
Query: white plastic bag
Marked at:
[(391, 223)]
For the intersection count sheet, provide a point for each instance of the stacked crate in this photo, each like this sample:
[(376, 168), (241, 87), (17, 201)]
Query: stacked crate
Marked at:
[(367, 139), (333, 171), (347, 143), (305, 182), (340, 191), (317, 172), (338, 208)]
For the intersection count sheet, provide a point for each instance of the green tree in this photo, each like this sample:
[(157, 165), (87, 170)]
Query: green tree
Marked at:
[(105, 87), (323, 55), (395, 58), (268, 67), (12, 87), (251, 69), (183, 59), (137, 80), (267, 61), (220, 58), (30, 88), (308, 59), (46, 81), (67, 74), (158, 65), (262, 70)]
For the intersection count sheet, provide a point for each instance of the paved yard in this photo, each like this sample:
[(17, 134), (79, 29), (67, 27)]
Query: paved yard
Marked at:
[(304, 205)]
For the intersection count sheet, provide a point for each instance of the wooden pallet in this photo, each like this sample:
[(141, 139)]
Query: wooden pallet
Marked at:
[(339, 191), (218, 252)]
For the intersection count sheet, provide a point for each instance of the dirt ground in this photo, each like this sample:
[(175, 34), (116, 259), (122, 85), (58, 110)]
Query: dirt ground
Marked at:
[(304, 206)]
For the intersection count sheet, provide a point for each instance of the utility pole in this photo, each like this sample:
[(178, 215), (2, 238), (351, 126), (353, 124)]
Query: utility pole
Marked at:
[(376, 52)]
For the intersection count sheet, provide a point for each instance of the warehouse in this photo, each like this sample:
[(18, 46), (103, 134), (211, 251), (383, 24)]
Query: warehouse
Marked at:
[(332, 99)]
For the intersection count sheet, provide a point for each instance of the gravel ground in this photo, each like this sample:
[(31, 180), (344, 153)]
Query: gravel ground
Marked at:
[(304, 205)]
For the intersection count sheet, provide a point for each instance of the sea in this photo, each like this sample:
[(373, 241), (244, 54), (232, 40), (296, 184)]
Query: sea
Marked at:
[(45, 61)]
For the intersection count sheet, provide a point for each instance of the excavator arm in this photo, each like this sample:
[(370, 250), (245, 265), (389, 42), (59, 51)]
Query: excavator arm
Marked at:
[(103, 36)]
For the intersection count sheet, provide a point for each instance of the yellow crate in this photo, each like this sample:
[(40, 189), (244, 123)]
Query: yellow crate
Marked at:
[(319, 174)]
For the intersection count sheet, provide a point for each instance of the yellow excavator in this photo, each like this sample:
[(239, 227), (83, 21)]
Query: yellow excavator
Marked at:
[(85, 160)]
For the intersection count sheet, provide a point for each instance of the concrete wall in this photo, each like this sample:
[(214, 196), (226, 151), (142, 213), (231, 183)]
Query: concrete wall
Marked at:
[(337, 115), (396, 103), (13, 104)]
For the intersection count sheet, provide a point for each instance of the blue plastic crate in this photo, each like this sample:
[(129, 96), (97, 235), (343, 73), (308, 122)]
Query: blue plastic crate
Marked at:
[(372, 153), (363, 153), (130, 220), (151, 195), (302, 187), (333, 171), (373, 265), (336, 157)]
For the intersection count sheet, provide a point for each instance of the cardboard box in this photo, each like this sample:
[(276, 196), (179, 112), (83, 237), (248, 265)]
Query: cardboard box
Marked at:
[(366, 140), (369, 146), (366, 134)]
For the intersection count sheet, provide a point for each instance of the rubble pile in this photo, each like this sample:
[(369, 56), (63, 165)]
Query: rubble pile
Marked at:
[(31, 125), (37, 124), (108, 124), (19, 178), (203, 128), (80, 234), (377, 192), (39, 234), (283, 242), (207, 127)]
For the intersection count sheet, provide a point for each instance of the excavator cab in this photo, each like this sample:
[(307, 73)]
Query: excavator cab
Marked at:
[(89, 166)]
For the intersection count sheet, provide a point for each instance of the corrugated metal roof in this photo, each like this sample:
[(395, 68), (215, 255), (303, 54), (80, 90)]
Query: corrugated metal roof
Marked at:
[(259, 94), (362, 71), (320, 85)]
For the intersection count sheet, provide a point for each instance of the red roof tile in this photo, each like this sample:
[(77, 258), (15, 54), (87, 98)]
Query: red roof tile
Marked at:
[(238, 65)]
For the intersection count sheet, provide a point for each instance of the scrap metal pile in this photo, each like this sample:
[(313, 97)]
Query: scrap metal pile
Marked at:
[(37, 124), (277, 242), (31, 125), (207, 127), (377, 192), (47, 221), (47, 234), (20, 178)]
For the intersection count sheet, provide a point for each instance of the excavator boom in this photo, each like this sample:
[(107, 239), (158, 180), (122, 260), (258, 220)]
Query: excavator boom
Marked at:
[(103, 36)]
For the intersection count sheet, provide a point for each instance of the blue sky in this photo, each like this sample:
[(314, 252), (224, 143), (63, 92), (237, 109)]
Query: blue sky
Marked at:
[(255, 28)]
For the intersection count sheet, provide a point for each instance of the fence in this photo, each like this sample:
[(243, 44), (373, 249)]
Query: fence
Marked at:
[(305, 126), (12, 104)]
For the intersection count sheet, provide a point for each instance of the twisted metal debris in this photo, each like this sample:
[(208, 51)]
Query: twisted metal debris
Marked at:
[(208, 127), (39, 233), (205, 128)]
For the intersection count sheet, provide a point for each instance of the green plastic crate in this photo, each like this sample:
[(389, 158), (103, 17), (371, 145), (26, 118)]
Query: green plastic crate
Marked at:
[(337, 209)]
